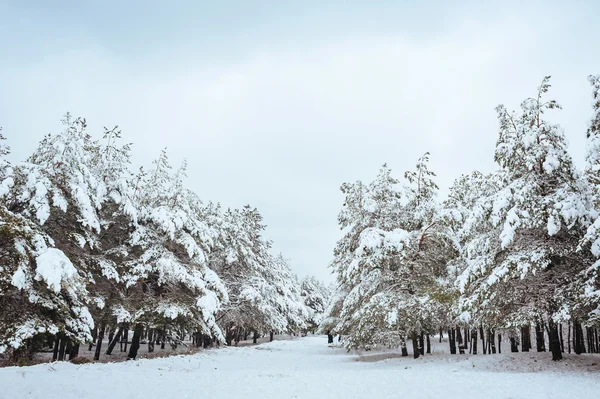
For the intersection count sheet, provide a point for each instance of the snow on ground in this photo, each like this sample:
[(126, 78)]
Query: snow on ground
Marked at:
[(309, 368)]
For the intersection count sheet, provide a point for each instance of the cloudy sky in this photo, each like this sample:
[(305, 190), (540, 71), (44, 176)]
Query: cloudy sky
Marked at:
[(277, 103)]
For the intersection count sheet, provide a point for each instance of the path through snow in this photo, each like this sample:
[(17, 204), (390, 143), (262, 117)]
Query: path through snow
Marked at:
[(306, 368)]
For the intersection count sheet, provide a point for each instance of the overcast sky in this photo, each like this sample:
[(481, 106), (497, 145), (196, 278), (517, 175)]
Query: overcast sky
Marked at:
[(277, 103)]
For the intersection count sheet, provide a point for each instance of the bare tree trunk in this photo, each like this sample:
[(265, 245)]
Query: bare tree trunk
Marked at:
[(562, 342), (539, 338), (422, 343), (255, 337), (525, 339), (403, 346), (569, 336), (99, 342), (499, 343), (74, 352), (554, 340), (271, 336), (55, 350), (483, 348), (428, 344), (415, 344), (441, 335), (135, 341), (113, 342), (61, 349), (452, 341), (94, 335), (474, 341), (151, 340)]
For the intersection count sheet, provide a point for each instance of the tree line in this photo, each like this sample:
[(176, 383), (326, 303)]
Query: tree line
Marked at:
[(507, 254), (90, 250)]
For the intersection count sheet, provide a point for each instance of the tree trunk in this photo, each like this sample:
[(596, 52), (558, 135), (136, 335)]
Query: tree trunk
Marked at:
[(474, 340), (428, 345), (459, 337), (99, 342), (94, 335), (329, 338), (554, 340), (499, 343), (111, 334), (135, 341), (61, 349), (415, 344), (74, 352), (514, 346), (452, 341), (562, 342), (483, 347), (441, 335), (492, 340), (403, 346), (525, 339), (113, 342), (255, 337), (569, 336), (55, 350), (422, 343), (539, 338), (271, 336), (151, 340)]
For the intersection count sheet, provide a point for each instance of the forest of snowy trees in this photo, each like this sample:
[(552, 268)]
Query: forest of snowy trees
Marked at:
[(506, 256), (90, 250)]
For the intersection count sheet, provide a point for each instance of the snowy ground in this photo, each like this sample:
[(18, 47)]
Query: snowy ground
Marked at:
[(309, 368)]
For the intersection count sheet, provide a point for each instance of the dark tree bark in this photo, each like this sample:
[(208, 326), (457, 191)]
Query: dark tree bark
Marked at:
[(94, 335), (151, 340), (562, 342), (113, 342), (99, 343), (492, 341), (452, 341), (61, 349), (403, 345), (135, 341), (428, 345), (514, 345), (422, 343), (441, 335), (459, 338), (55, 349), (271, 336), (415, 345), (163, 338), (467, 338), (474, 340), (111, 334), (329, 338), (255, 337), (578, 346), (483, 347), (569, 336), (74, 351), (126, 337), (539, 338), (525, 339), (554, 340)]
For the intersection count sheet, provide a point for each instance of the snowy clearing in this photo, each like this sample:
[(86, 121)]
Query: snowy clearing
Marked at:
[(308, 368)]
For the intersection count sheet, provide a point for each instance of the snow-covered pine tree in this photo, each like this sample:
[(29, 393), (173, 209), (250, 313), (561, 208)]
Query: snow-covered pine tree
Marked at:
[(168, 279), (590, 299), (538, 214), (390, 260), (315, 297), (42, 292)]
